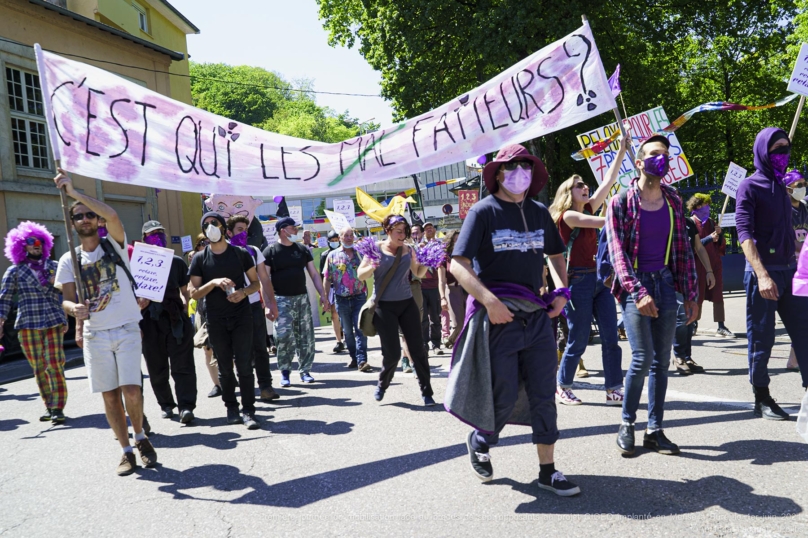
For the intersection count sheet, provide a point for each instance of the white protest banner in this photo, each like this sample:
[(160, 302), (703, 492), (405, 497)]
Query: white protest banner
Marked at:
[(269, 230), (727, 220), (105, 127), (798, 81), (735, 174), (338, 220), (643, 125), (187, 243), (346, 207), (296, 212), (322, 242), (150, 267)]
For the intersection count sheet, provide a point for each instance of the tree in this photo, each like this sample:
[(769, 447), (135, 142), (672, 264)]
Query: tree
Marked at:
[(675, 54)]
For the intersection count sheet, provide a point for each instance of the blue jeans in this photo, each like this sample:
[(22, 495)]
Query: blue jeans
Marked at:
[(760, 324), (682, 342), (348, 311), (588, 297), (650, 340)]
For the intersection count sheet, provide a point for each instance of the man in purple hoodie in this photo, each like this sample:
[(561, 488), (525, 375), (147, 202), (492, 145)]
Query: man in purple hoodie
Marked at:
[(763, 219)]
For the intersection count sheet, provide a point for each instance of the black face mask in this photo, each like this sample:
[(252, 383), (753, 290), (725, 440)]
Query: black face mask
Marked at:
[(35, 257)]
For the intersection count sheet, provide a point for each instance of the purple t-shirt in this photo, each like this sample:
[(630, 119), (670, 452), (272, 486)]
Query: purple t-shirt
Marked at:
[(654, 231)]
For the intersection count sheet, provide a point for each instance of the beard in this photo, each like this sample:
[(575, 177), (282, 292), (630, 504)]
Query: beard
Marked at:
[(87, 232)]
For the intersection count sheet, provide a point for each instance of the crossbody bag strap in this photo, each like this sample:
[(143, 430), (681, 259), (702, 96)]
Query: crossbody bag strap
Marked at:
[(389, 276)]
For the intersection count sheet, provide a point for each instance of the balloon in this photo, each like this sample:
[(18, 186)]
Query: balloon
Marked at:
[(278, 199), (482, 159)]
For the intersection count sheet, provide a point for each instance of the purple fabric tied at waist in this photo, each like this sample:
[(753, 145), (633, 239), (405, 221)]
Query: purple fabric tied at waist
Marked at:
[(504, 290)]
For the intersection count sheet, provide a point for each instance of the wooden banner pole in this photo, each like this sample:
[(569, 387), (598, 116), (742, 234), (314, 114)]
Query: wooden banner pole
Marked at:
[(70, 243), (796, 118)]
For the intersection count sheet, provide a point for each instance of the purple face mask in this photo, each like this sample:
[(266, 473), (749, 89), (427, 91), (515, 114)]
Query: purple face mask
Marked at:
[(239, 240), (702, 213), (780, 164), (657, 165), (517, 181), (102, 231), (156, 240)]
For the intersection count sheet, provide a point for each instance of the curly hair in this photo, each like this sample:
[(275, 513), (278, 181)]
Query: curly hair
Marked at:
[(15, 241), (697, 200), (391, 221)]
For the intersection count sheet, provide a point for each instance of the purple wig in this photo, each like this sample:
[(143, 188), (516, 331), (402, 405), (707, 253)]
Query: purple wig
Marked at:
[(15, 241)]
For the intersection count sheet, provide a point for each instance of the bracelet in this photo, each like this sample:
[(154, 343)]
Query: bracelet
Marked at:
[(709, 272)]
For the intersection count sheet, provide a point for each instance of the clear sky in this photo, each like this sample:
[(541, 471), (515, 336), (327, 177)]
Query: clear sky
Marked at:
[(285, 36)]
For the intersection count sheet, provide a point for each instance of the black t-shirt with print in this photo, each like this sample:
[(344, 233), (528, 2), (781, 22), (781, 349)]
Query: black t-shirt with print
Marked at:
[(287, 267), (232, 264), (494, 237)]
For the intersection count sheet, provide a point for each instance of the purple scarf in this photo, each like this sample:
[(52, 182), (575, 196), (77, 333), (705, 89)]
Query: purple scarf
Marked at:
[(39, 269)]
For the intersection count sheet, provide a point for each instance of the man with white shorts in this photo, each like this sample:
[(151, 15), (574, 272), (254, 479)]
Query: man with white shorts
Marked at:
[(111, 313)]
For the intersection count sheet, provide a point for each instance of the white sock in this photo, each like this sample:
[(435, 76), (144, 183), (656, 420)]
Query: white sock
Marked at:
[(127, 449), (140, 436)]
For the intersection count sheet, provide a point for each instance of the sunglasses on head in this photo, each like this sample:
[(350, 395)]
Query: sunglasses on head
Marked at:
[(33, 242), (527, 165), (81, 216)]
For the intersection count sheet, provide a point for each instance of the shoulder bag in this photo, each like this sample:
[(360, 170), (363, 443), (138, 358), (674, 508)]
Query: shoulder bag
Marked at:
[(369, 308)]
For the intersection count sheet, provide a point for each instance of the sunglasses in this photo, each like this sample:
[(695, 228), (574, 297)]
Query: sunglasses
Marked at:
[(33, 242), (81, 216), (215, 223), (581, 185), (513, 165)]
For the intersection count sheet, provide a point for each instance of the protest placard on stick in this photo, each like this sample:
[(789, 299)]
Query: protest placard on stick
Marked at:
[(338, 220), (798, 83), (735, 174), (150, 267)]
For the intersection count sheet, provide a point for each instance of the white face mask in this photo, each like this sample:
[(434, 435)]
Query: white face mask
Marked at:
[(213, 233), (347, 245), (333, 244), (293, 238), (798, 194)]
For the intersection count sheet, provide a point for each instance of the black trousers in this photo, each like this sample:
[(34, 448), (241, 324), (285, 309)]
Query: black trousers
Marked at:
[(260, 356), (232, 341), (164, 356), (430, 324), (389, 316)]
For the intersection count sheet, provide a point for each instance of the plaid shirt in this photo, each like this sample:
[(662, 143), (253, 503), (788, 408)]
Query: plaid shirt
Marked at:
[(623, 234), (38, 307)]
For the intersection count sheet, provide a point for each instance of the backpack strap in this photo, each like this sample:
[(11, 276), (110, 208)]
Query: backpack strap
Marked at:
[(111, 253)]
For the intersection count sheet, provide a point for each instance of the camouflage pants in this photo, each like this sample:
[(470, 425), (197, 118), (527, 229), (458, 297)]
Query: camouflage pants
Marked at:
[(294, 331)]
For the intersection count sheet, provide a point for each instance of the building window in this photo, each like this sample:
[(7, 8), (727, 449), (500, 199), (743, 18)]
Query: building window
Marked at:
[(142, 17), (29, 133)]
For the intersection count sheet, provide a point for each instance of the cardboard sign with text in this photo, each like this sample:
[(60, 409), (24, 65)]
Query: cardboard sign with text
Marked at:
[(150, 267), (269, 230), (798, 81), (643, 125), (322, 242), (735, 174), (338, 220), (187, 243), (466, 199), (346, 207), (296, 212), (727, 220)]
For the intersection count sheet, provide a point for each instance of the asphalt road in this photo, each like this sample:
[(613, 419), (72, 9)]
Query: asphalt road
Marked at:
[(330, 460)]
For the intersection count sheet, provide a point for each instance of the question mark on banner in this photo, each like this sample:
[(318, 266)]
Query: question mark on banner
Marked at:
[(584, 96)]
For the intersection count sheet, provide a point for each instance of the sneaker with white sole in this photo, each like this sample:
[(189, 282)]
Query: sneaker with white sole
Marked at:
[(558, 484), (567, 397), (480, 461), (615, 397), (724, 333)]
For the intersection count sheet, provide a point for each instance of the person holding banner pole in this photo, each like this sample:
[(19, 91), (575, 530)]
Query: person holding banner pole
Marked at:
[(715, 244), (217, 275), (111, 315), (168, 336), (763, 217), (573, 211), (649, 251)]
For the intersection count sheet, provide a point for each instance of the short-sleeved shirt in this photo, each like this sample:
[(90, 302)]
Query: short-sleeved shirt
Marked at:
[(106, 285), (799, 219), (692, 232), (287, 266), (342, 270), (585, 245), (494, 237), (233, 263)]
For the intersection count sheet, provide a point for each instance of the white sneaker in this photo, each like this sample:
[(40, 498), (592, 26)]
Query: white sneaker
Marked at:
[(567, 397), (615, 397)]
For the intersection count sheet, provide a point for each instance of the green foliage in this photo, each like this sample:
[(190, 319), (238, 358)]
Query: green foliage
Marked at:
[(261, 98), (674, 54)]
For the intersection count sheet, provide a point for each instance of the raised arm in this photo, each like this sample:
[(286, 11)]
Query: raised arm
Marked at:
[(599, 196), (114, 225)]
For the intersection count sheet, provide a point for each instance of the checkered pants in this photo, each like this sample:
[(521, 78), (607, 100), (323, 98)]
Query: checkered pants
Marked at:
[(43, 349)]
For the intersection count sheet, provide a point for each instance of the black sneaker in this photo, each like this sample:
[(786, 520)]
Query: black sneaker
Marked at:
[(168, 412), (558, 484), (339, 348), (769, 410), (625, 439), (658, 442), (186, 416), (233, 416), (46, 417), (57, 416), (429, 401), (352, 365), (379, 394), (249, 421), (215, 391), (695, 368), (480, 462)]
